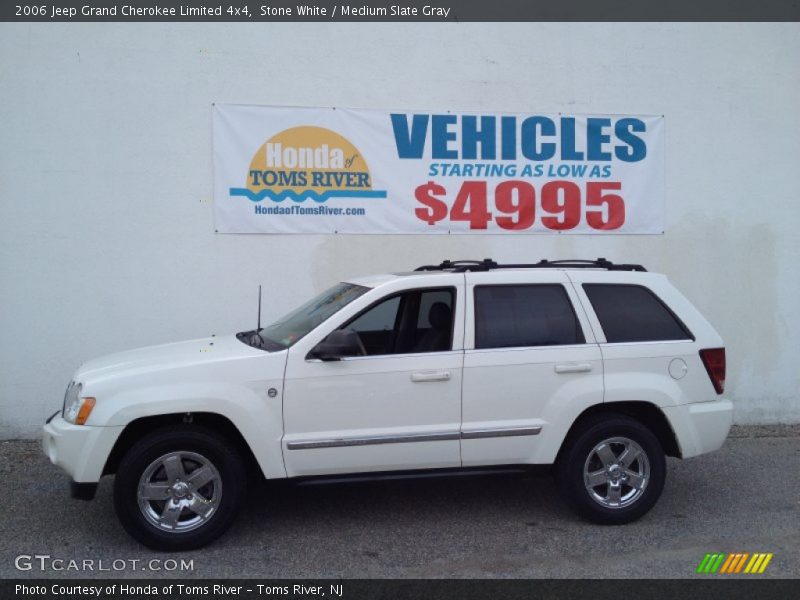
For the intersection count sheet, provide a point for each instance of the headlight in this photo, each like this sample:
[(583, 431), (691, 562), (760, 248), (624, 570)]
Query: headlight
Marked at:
[(72, 393), (77, 408)]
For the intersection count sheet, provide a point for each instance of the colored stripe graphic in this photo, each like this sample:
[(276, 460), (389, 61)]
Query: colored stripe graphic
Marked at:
[(740, 564), (765, 563), (719, 562), (726, 566), (758, 563), (751, 566), (710, 563), (702, 566)]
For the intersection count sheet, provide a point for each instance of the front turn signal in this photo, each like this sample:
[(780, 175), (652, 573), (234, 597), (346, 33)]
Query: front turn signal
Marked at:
[(87, 405)]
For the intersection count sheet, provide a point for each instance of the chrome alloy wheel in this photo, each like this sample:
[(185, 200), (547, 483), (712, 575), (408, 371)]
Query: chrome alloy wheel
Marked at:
[(179, 491), (616, 472)]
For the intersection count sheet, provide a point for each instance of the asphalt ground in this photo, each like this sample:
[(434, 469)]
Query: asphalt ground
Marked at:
[(743, 498)]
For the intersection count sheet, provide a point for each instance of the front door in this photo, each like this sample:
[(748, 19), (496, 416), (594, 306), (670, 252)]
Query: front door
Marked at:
[(396, 407)]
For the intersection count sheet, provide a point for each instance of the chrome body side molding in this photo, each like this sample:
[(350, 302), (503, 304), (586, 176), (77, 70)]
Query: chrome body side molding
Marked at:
[(414, 437)]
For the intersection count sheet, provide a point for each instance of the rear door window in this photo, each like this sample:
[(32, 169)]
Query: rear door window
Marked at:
[(514, 316), (633, 313)]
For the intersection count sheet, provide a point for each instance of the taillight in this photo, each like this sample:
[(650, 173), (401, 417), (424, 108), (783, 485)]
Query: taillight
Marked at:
[(714, 360)]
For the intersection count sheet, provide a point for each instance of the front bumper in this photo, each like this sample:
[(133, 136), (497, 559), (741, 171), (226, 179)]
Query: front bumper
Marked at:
[(80, 450), (700, 427)]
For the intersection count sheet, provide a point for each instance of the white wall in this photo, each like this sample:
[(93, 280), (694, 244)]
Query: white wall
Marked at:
[(105, 177)]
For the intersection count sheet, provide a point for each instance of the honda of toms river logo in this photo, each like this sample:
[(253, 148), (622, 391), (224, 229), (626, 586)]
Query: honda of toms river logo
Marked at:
[(735, 563), (307, 162)]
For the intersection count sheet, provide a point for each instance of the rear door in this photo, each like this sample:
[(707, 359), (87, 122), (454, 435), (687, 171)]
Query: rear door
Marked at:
[(531, 365)]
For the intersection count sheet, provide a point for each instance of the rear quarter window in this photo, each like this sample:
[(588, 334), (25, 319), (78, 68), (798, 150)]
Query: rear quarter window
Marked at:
[(633, 313)]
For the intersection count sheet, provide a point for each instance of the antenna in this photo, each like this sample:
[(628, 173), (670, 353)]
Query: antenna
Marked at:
[(259, 308)]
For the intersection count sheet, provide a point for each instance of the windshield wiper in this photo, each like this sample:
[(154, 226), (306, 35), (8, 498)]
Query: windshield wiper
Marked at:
[(254, 339)]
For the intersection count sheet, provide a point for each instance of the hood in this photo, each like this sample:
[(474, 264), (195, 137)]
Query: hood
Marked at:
[(203, 352)]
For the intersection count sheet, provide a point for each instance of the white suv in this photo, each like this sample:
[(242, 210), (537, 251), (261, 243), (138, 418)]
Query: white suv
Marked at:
[(596, 368)]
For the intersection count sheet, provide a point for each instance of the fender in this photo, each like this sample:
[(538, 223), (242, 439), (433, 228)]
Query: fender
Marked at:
[(258, 417)]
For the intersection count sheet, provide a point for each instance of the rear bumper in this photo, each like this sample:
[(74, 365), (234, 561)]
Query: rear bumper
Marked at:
[(80, 450), (700, 427)]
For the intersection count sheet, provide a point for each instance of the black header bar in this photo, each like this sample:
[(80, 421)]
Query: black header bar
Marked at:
[(198, 11)]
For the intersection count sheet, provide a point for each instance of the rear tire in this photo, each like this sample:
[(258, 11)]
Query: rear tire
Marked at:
[(611, 470), (179, 488)]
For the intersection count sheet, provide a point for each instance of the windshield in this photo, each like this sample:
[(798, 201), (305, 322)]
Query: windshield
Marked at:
[(287, 330)]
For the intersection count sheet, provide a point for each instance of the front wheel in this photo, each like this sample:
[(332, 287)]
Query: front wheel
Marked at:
[(612, 470), (179, 488)]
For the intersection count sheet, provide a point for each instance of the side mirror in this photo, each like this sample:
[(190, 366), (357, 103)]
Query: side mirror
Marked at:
[(338, 344)]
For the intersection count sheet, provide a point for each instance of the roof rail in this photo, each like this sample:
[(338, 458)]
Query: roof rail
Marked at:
[(487, 264)]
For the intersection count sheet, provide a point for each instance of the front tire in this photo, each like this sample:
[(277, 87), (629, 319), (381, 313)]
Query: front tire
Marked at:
[(179, 488), (611, 470)]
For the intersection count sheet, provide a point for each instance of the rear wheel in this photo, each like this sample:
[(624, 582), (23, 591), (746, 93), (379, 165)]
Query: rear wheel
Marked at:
[(179, 488), (612, 470)]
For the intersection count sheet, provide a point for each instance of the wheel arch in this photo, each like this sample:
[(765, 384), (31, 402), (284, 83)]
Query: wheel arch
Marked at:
[(648, 414), (214, 421)]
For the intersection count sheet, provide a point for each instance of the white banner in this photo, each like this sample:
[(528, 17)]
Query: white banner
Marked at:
[(334, 170)]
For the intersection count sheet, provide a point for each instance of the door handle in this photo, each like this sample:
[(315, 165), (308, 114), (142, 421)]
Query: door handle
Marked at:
[(577, 368), (423, 376)]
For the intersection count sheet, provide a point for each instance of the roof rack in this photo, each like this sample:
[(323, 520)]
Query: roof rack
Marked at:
[(487, 264)]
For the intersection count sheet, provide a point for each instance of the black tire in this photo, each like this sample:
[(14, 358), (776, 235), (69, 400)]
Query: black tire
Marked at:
[(190, 440), (595, 505)]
